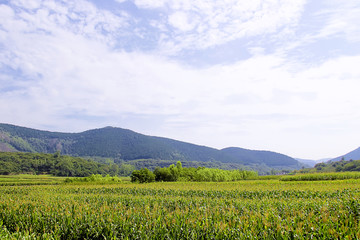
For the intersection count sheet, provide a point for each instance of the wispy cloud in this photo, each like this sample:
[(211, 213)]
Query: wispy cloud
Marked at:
[(341, 20), (203, 24)]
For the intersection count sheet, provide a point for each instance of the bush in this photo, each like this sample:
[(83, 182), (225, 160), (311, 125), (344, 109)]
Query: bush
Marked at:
[(143, 175), (201, 174)]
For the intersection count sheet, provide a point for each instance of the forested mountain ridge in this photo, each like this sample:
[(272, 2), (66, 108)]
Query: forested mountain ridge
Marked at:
[(258, 157), (353, 155), (118, 143), (55, 164)]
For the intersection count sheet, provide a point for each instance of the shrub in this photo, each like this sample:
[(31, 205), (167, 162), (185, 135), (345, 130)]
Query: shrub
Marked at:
[(143, 175)]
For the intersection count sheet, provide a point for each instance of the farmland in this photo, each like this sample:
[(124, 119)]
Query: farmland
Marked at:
[(252, 209)]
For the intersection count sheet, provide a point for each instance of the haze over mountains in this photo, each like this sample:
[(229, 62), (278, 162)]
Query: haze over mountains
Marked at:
[(127, 145), (312, 163), (353, 155)]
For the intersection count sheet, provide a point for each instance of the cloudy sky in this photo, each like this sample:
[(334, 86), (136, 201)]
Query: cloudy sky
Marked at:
[(273, 75)]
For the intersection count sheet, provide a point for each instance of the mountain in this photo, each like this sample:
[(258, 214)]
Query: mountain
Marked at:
[(307, 162), (312, 163), (353, 155), (127, 145), (268, 158)]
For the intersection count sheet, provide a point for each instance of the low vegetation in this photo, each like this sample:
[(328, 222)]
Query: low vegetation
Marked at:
[(94, 178), (252, 209), (30, 179), (321, 176), (178, 173)]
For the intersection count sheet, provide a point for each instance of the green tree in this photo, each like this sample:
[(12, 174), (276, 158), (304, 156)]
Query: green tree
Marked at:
[(143, 175), (64, 167)]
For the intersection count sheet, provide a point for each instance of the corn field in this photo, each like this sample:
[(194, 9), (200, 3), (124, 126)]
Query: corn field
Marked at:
[(257, 209), (322, 176)]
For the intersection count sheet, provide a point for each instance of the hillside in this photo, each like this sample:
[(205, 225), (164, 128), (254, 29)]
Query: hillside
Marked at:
[(307, 162), (336, 166), (353, 155), (55, 164), (126, 145), (312, 163), (272, 159)]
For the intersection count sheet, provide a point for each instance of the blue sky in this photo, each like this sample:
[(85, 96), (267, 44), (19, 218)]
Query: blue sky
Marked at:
[(265, 74)]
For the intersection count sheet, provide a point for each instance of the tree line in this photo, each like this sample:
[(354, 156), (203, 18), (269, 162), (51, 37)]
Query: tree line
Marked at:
[(58, 165), (176, 172), (338, 166)]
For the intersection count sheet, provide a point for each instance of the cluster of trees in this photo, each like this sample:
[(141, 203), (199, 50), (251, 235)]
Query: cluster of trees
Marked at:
[(154, 163), (338, 166), (201, 174), (346, 166), (58, 165)]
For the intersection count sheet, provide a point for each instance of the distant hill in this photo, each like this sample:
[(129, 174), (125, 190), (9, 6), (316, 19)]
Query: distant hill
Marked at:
[(127, 145), (312, 163), (307, 162), (336, 166), (272, 159), (353, 155)]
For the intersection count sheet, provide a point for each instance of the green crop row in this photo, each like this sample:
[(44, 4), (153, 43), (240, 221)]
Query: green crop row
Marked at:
[(182, 211), (322, 176)]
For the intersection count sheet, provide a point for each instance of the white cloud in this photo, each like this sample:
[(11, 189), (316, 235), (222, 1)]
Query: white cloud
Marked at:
[(340, 19), (181, 21), (202, 24), (150, 3), (61, 54), (328, 29), (79, 17), (30, 4)]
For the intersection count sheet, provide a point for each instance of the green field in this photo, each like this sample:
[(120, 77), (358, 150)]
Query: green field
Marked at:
[(253, 209), (29, 179)]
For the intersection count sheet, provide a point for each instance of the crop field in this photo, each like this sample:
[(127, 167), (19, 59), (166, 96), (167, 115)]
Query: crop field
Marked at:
[(322, 176), (253, 209), (28, 179)]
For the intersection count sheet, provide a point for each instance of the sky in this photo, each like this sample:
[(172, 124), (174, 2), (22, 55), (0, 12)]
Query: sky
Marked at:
[(272, 75)]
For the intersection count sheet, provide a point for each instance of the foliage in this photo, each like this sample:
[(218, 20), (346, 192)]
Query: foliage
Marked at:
[(174, 173), (143, 175), (55, 164), (218, 175), (338, 166), (271, 159), (94, 178), (321, 176), (266, 209), (151, 164)]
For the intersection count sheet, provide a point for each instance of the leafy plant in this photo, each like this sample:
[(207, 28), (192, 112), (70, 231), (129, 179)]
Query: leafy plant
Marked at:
[(143, 175)]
